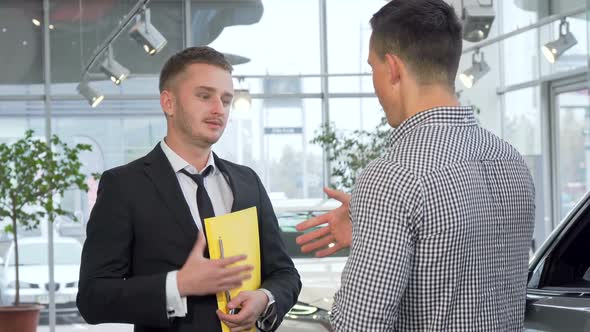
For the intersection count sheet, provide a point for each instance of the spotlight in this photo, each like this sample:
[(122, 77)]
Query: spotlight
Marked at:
[(114, 70), (147, 35), (92, 96), (477, 22), (242, 99), (477, 70), (554, 49)]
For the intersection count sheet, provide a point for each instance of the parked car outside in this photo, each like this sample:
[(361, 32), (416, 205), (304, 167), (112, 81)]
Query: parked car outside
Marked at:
[(34, 273)]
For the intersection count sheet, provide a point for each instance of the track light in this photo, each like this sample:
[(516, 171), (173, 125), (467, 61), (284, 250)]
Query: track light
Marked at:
[(554, 49), (477, 70), (114, 70), (92, 96), (477, 22), (147, 35), (242, 99)]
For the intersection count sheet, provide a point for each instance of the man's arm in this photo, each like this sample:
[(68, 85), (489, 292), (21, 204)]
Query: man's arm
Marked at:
[(107, 291), (379, 266)]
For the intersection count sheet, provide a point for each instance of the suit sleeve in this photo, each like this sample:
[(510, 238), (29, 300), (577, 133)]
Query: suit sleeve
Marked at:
[(279, 275), (108, 292)]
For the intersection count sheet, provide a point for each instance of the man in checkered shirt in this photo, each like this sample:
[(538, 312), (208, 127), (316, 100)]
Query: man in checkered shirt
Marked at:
[(441, 224)]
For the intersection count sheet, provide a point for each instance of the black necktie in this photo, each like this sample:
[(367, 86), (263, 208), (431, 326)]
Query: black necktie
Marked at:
[(203, 201)]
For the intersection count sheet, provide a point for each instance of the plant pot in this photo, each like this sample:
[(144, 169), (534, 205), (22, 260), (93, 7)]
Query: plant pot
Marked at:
[(22, 318)]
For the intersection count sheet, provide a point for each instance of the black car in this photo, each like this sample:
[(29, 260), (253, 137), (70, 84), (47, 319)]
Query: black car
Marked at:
[(558, 294)]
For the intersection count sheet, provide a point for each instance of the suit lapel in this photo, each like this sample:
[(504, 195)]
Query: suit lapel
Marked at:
[(158, 169)]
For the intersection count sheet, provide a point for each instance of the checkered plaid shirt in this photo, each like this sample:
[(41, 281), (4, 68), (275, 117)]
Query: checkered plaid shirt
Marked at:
[(441, 231)]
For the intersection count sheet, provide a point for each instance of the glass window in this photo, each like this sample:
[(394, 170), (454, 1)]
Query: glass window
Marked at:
[(21, 36), (521, 54), (278, 85), (81, 27), (122, 132), (293, 48), (273, 138), (517, 14), (36, 254), (522, 126), (16, 117), (352, 84), (350, 114), (522, 129), (573, 147), (483, 94), (348, 34)]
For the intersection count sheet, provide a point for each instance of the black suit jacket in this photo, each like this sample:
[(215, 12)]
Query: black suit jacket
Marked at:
[(141, 228)]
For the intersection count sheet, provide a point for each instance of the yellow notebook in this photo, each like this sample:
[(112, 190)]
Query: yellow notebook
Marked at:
[(239, 233)]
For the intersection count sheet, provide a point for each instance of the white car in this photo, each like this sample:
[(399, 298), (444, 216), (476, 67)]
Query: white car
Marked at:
[(320, 277), (34, 273)]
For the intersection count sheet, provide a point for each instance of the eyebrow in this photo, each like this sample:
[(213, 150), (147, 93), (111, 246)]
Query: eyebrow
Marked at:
[(213, 90)]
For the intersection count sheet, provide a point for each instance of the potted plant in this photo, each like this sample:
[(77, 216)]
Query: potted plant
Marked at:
[(350, 152), (34, 174)]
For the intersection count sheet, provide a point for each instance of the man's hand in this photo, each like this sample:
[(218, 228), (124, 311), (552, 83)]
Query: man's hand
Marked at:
[(201, 276), (335, 236), (252, 304)]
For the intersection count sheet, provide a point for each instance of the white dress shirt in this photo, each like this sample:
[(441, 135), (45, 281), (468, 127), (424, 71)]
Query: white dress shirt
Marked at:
[(222, 198)]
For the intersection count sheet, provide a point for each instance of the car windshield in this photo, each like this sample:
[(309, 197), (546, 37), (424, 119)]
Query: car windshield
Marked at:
[(36, 254), (287, 223)]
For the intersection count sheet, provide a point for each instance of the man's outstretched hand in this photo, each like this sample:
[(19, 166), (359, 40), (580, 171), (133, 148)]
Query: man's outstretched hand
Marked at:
[(336, 235)]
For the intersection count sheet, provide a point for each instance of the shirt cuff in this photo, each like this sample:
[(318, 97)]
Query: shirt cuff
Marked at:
[(268, 318), (175, 305)]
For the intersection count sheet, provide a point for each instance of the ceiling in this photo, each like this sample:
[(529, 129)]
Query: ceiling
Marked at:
[(80, 26)]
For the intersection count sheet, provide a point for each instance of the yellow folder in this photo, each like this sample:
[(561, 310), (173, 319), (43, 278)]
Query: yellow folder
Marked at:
[(239, 233)]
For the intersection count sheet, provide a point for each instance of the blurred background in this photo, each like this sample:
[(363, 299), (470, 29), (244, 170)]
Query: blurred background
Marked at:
[(298, 65)]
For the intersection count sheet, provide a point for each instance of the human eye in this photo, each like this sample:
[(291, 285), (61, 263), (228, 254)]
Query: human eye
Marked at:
[(204, 95), (226, 102)]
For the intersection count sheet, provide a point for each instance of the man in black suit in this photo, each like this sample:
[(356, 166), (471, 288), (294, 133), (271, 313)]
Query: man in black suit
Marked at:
[(145, 260)]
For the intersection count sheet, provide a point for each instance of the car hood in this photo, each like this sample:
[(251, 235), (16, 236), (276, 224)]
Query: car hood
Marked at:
[(39, 274), (320, 278)]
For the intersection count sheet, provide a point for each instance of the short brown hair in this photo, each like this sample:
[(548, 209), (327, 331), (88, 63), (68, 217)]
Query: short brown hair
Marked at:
[(426, 34), (179, 61)]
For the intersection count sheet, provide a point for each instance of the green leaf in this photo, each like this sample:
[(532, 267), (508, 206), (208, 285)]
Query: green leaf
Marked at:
[(8, 229), (351, 151)]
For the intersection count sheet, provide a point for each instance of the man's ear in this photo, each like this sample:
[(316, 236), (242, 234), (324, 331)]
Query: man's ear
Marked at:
[(395, 67), (167, 102)]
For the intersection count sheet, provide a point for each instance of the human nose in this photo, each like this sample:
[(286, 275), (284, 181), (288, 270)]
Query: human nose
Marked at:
[(218, 106)]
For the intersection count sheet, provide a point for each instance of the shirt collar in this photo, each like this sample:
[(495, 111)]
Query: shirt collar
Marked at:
[(439, 116), (178, 163)]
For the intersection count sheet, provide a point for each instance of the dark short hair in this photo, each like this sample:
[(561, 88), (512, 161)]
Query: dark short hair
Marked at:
[(425, 34), (179, 61)]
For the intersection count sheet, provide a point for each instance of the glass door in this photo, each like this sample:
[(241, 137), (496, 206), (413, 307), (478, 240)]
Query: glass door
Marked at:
[(571, 115)]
